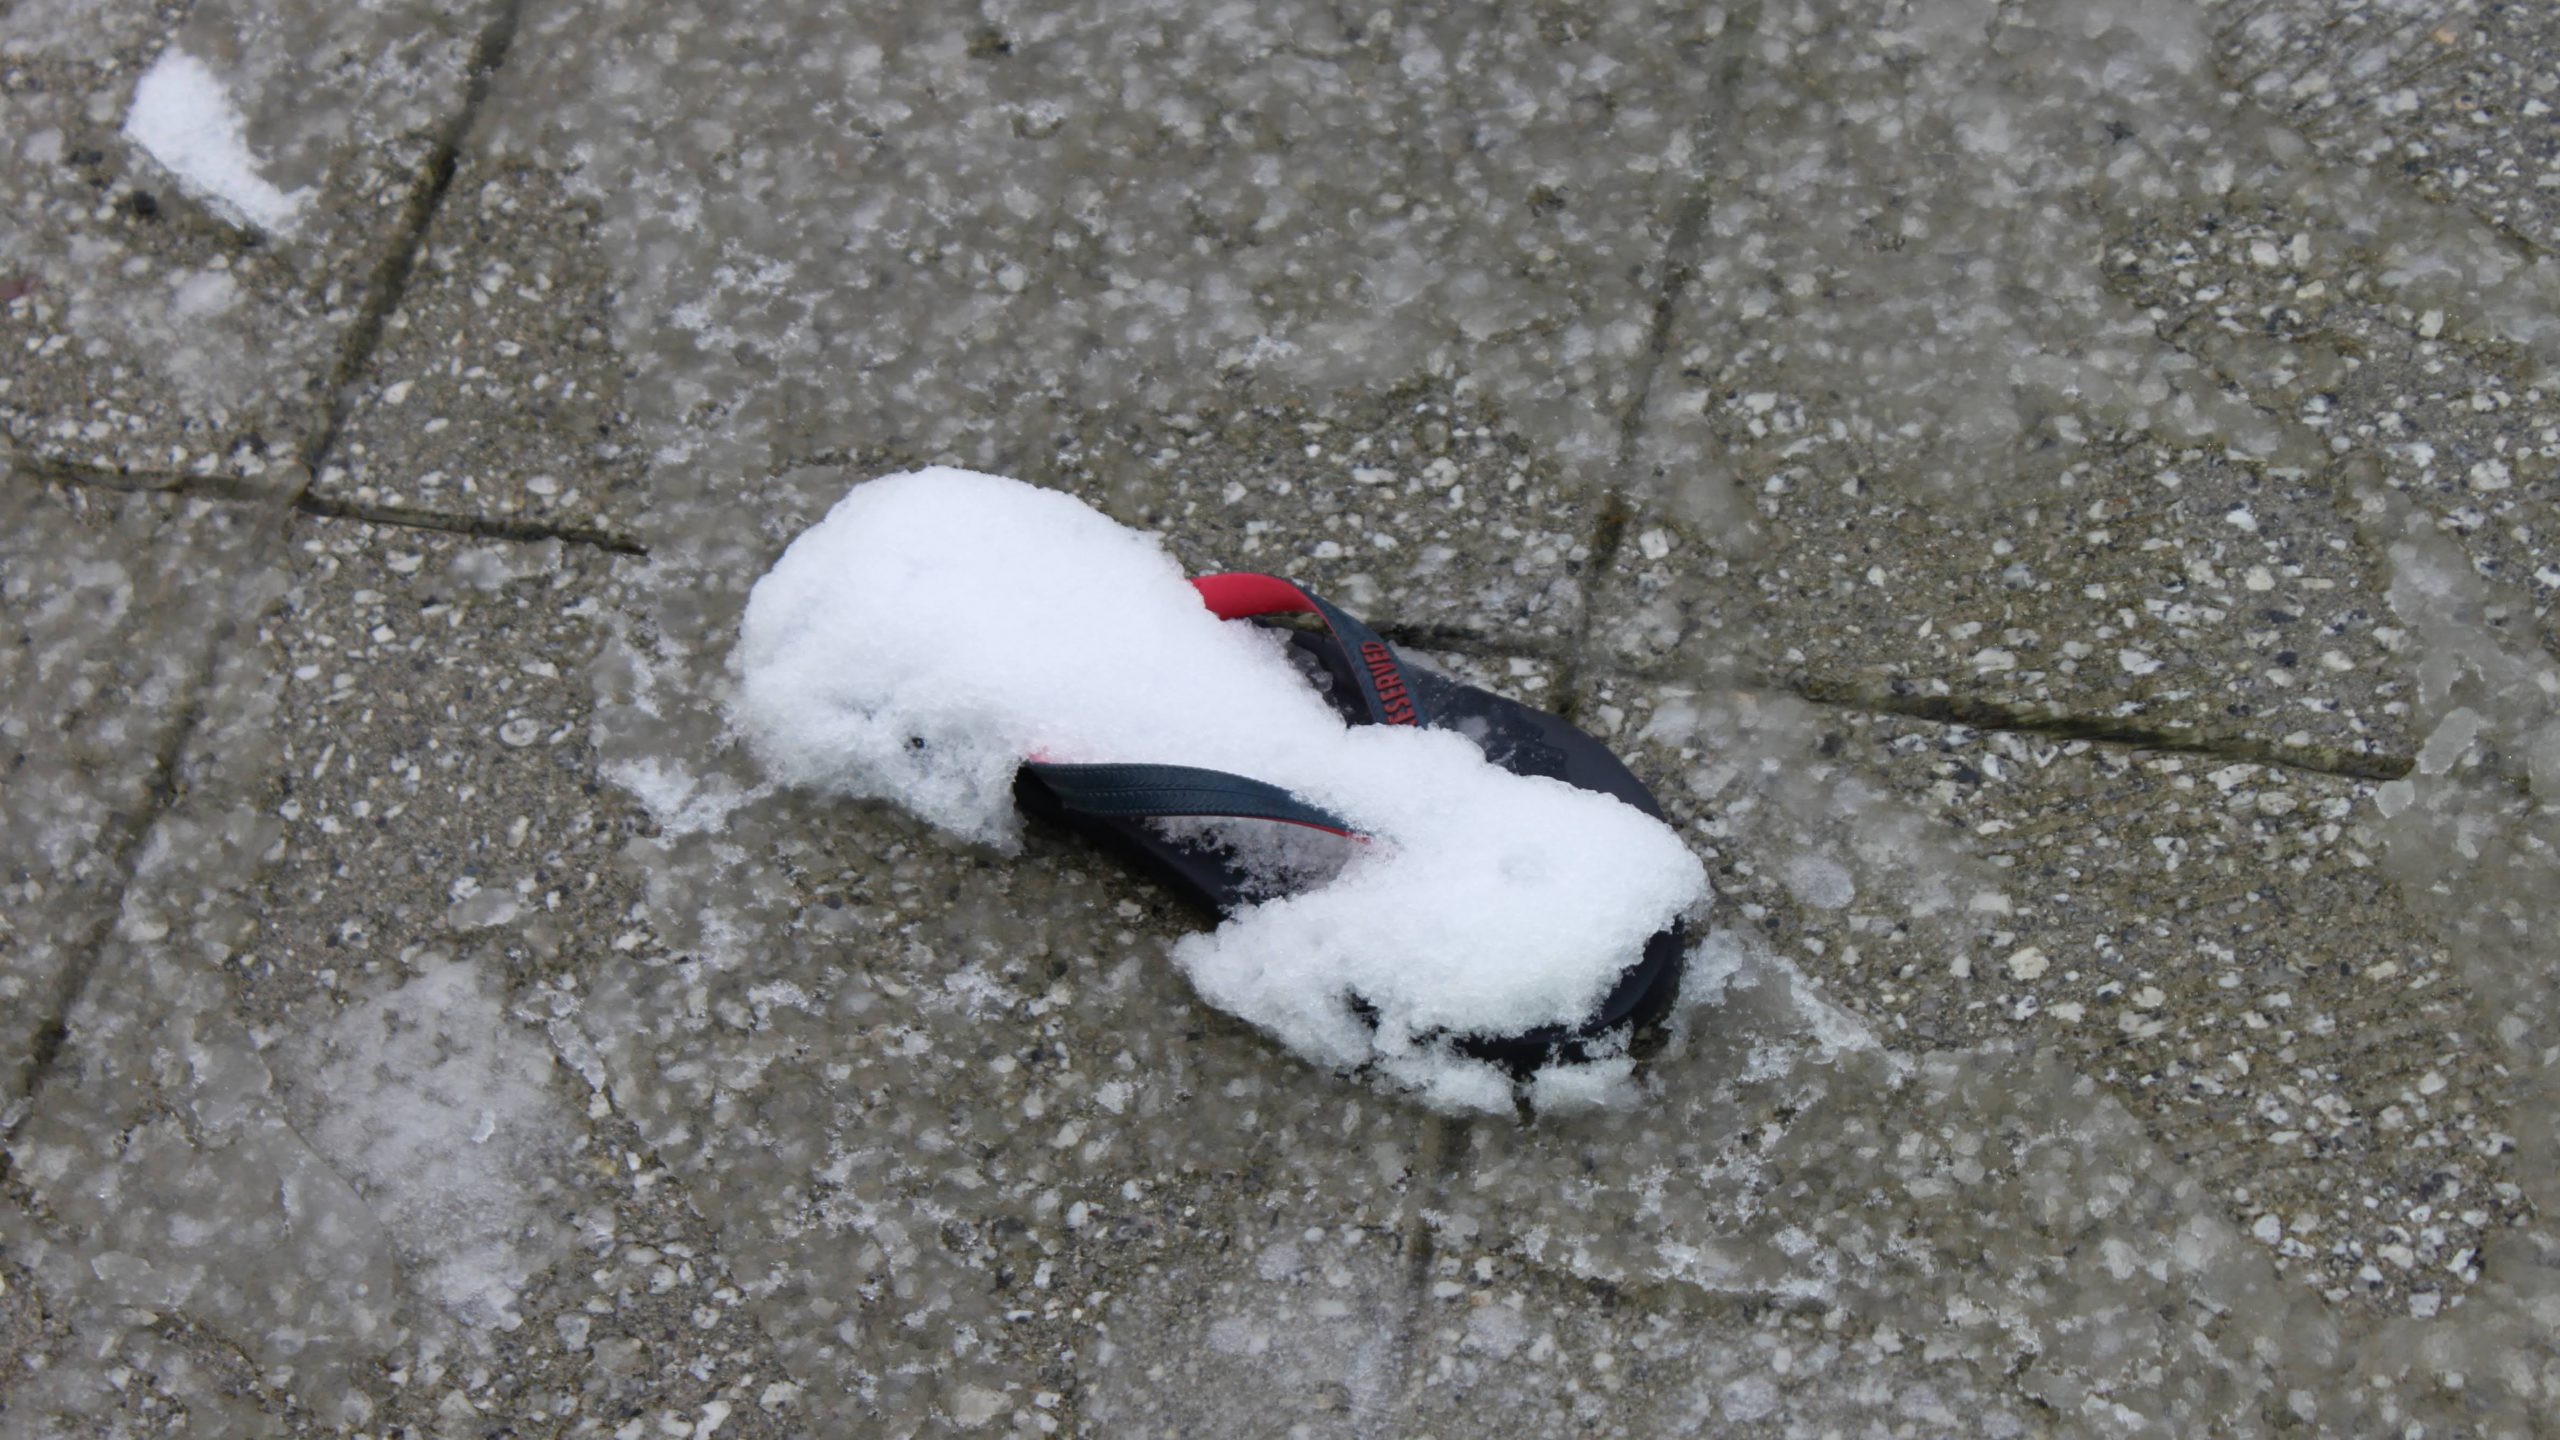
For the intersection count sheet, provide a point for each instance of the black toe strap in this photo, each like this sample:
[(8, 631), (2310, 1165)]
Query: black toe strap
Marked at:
[(1144, 792)]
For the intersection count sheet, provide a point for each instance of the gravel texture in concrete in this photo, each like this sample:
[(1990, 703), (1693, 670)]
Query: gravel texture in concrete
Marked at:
[(2056, 500)]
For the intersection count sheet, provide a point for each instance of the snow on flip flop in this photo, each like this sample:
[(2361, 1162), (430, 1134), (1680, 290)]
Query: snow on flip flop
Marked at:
[(968, 647)]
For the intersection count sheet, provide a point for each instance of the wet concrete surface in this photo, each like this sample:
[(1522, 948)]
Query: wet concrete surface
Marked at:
[(2054, 499)]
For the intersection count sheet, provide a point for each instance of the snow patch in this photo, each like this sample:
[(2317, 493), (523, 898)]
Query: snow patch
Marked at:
[(183, 118), (681, 802)]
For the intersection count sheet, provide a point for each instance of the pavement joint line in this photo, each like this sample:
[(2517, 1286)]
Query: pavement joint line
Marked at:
[(1656, 1295), (487, 527), (1679, 262), (232, 490), (155, 482), (1990, 715), (1680, 248), (1971, 714), (389, 284), (1435, 1165), (1442, 1159), (158, 797)]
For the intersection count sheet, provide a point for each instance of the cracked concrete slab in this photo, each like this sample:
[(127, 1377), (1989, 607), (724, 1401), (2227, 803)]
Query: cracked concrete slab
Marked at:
[(952, 226), (2209, 940), (110, 641), (955, 319), (2458, 423), (1771, 386), (2456, 98), (431, 775), (2197, 970), (1506, 1344), (2149, 589), (1351, 1332), (2062, 454), (2007, 1211), (935, 1103), (497, 389), (181, 277), (350, 1152), (67, 1378)]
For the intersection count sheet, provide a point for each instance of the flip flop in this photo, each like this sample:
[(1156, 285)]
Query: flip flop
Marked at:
[(1369, 684), (1511, 905)]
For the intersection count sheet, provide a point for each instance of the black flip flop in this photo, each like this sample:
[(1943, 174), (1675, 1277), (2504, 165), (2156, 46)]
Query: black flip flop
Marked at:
[(1371, 685)]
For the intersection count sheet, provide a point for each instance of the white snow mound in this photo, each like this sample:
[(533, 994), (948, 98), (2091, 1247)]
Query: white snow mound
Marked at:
[(937, 628)]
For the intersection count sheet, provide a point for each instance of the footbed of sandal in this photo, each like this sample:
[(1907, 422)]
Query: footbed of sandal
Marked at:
[(938, 629)]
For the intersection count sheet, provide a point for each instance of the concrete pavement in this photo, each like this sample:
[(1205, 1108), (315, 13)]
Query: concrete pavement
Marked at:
[(2054, 498)]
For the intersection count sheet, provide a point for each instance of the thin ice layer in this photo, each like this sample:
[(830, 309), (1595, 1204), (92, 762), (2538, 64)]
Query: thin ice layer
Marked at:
[(938, 628)]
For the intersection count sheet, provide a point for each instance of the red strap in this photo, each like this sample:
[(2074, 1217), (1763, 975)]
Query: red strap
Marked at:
[(1234, 597), (1371, 663)]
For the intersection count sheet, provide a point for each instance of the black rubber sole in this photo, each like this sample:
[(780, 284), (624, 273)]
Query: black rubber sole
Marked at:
[(1517, 737)]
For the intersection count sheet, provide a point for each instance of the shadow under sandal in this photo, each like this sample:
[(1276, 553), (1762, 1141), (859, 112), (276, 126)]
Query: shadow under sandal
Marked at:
[(1126, 804)]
